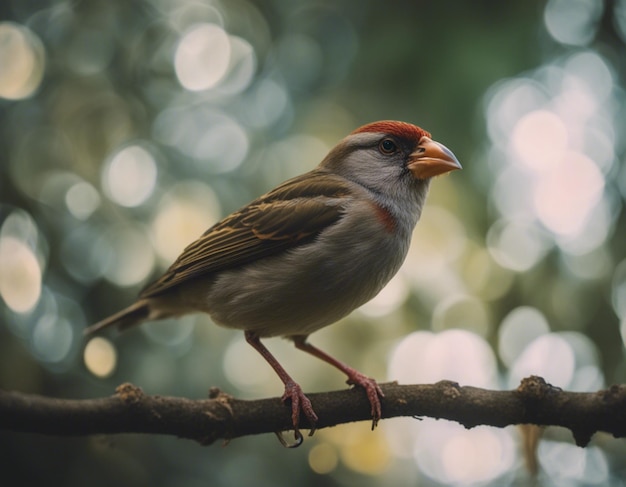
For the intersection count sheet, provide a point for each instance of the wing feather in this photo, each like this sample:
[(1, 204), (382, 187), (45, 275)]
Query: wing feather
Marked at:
[(290, 215)]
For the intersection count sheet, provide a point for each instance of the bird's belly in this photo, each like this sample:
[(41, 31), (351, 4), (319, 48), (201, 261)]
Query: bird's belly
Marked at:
[(299, 294)]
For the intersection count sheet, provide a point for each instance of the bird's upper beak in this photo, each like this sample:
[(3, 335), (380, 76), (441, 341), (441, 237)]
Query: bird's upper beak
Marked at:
[(431, 159)]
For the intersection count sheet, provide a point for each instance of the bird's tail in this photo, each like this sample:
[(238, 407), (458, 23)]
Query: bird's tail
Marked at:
[(133, 315)]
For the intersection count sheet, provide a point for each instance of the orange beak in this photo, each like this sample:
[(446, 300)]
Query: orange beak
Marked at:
[(432, 159)]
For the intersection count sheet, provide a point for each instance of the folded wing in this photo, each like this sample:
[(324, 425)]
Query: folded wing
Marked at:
[(292, 214)]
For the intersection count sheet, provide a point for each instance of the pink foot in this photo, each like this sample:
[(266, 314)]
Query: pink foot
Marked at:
[(372, 389), (299, 402)]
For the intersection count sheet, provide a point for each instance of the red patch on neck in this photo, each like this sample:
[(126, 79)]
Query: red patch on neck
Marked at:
[(399, 129), (385, 217)]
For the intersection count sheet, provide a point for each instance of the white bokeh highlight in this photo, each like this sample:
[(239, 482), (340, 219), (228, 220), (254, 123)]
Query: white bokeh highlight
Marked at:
[(552, 148), (202, 57), (130, 175)]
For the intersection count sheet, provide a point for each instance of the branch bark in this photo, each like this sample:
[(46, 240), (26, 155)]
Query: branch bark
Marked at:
[(221, 416)]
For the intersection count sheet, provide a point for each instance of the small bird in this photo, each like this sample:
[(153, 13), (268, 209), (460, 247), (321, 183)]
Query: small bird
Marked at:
[(307, 253)]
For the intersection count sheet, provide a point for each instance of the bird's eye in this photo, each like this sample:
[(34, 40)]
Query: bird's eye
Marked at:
[(387, 146)]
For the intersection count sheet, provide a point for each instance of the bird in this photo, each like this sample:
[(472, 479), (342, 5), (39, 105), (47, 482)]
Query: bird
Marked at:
[(307, 253)]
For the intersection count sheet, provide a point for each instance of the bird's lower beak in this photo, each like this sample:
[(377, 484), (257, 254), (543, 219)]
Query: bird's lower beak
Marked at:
[(432, 159)]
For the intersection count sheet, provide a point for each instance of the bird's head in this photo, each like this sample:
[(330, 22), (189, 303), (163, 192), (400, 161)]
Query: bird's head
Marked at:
[(389, 156)]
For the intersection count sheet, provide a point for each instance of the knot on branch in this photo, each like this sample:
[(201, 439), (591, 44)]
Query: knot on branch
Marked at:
[(219, 395), (449, 389), (535, 388), (129, 393), (222, 399)]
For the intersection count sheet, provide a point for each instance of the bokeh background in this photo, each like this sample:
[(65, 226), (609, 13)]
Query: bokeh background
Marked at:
[(129, 127)]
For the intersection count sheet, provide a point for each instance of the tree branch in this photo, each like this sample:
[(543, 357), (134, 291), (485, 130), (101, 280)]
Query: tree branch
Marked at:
[(224, 417)]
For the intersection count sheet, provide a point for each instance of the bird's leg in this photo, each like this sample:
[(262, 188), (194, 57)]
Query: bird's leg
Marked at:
[(299, 402), (373, 390)]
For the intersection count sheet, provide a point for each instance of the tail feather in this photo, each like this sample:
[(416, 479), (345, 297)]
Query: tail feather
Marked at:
[(133, 315)]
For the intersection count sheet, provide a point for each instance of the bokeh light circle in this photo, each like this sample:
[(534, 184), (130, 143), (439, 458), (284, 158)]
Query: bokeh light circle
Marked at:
[(100, 357), (519, 328), (572, 22), (20, 275), (458, 355), (202, 57), (453, 455), (184, 213), (22, 61), (130, 176), (516, 244), (549, 356), (52, 338), (21, 260)]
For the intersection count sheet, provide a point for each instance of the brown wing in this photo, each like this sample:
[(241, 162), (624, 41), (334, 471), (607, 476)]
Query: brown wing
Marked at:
[(290, 215)]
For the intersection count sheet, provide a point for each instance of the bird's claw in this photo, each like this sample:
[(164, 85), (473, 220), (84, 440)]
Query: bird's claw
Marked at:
[(299, 403), (281, 438), (373, 391)]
